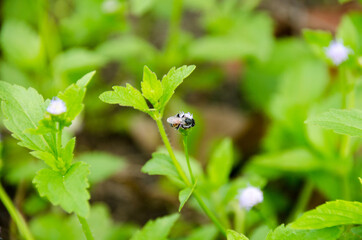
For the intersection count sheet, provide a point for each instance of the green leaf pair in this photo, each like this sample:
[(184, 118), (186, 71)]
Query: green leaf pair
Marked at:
[(26, 116), (157, 92)]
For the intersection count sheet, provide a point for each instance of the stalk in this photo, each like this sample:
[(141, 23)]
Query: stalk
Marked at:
[(183, 176), (15, 215), (86, 228), (187, 158)]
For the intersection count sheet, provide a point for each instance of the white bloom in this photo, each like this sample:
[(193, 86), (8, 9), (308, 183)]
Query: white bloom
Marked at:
[(56, 106), (249, 197), (337, 52)]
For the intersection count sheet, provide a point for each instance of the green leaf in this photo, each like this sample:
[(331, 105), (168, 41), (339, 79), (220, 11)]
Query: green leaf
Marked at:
[(232, 235), (47, 157), (161, 164), (67, 153), (330, 214), (221, 162), (283, 232), (347, 122), (360, 180), (172, 80), (73, 98), (295, 160), (184, 195), (151, 86), (125, 96), (102, 165), (68, 190), (350, 32), (23, 109), (156, 229)]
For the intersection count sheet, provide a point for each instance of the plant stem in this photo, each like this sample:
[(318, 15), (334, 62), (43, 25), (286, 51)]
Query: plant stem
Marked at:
[(170, 152), (86, 228), (239, 218), (182, 174), (15, 215), (303, 200), (188, 159)]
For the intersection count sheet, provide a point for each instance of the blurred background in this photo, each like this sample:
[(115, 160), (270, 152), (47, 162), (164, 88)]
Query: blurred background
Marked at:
[(255, 82)]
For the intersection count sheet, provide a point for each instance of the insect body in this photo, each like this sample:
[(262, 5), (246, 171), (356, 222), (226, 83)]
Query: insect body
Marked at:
[(183, 120)]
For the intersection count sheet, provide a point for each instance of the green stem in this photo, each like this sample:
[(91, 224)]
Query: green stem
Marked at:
[(15, 215), (303, 200), (170, 152), (86, 228), (183, 176), (188, 159), (239, 218)]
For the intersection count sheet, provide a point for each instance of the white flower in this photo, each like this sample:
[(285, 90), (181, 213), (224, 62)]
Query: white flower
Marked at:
[(56, 106), (337, 52), (249, 197)]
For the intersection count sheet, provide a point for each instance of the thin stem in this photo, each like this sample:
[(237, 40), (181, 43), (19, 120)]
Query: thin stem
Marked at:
[(170, 152), (15, 215), (239, 218), (86, 228), (188, 159), (303, 200), (182, 174), (208, 212)]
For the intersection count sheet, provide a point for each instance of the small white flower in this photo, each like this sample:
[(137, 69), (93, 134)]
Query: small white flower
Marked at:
[(337, 52), (249, 197), (56, 106)]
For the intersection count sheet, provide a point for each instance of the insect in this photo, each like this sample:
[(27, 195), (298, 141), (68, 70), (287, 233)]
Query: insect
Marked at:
[(183, 120)]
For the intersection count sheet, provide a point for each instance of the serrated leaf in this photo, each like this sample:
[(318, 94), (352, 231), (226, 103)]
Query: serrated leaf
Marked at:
[(221, 162), (23, 109), (184, 195), (172, 80), (347, 122), (330, 214), (102, 165), (151, 86), (161, 164), (285, 232), (68, 190), (73, 98), (156, 229), (232, 235), (125, 96), (47, 157), (294, 160), (67, 153)]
